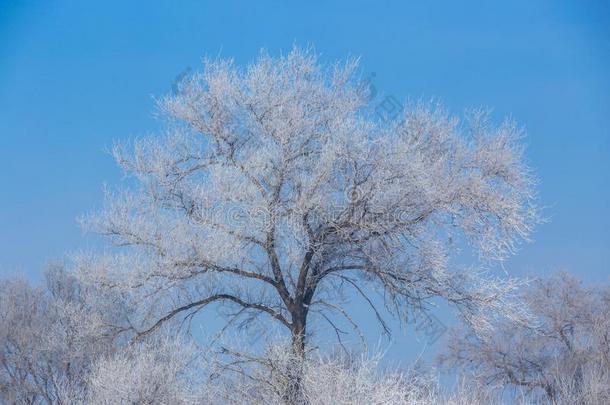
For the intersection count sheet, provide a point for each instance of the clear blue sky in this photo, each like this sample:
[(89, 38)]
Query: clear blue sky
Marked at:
[(74, 76)]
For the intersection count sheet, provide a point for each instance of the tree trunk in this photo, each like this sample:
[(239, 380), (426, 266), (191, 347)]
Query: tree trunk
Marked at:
[(298, 339), (294, 392)]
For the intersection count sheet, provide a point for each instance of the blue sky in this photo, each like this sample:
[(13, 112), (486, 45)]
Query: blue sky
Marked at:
[(75, 76)]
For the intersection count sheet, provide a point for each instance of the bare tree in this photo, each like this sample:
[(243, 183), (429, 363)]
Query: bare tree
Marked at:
[(158, 371), (50, 336), (341, 379), (276, 188), (562, 355), (164, 371)]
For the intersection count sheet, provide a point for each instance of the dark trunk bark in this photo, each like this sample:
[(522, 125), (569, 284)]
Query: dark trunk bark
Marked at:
[(298, 337), (294, 392)]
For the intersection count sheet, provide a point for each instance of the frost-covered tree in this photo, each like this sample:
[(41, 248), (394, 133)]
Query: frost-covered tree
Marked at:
[(159, 371), (341, 379), (162, 371), (50, 335), (562, 355), (276, 188)]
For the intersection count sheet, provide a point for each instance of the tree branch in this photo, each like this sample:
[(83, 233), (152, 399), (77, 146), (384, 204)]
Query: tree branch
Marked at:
[(211, 299)]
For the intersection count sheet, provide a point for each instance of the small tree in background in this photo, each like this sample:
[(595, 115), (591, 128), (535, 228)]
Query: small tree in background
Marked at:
[(276, 189), (160, 370), (51, 335), (563, 355)]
